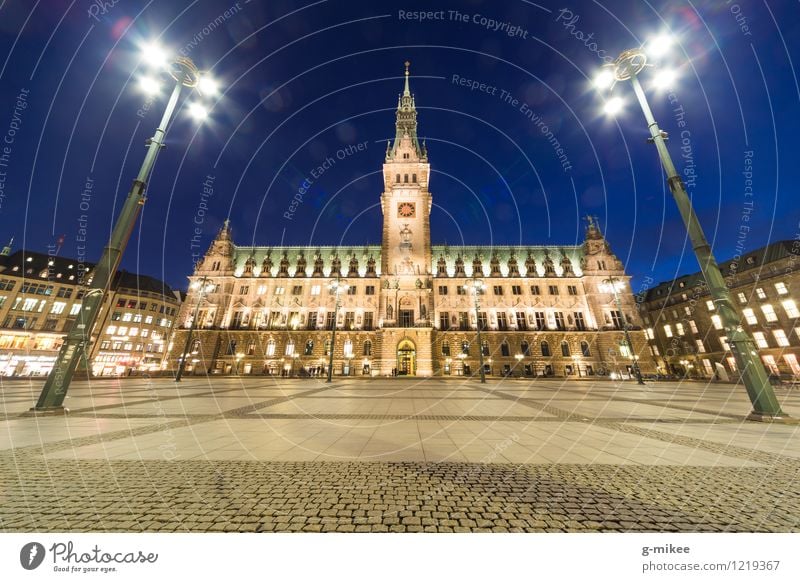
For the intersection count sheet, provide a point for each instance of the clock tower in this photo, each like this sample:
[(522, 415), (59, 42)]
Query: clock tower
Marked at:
[(406, 298)]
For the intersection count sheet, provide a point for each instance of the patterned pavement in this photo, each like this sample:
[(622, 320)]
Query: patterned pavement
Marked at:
[(397, 455)]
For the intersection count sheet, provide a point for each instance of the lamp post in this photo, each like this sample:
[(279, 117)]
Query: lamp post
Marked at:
[(476, 287), (627, 68), (203, 288), (612, 286), (519, 357), (336, 288), (185, 74)]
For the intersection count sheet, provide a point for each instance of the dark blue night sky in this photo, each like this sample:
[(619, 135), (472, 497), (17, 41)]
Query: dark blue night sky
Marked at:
[(307, 82)]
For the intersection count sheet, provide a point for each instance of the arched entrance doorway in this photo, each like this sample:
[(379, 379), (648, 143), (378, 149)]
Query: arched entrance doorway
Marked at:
[(406, 358)]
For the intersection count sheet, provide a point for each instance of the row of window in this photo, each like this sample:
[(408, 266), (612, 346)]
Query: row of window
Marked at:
[(246, 319), (142, 306), (129, 346), (298, 290), (789, 306), (538, 320), (139, 318), (269, 349), (524, 349), (124, 330), (515, 290)]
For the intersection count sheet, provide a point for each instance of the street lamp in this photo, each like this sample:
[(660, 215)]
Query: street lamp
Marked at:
[(336, 288), (627, 68), (185, 74), (477, 287), (202, 288), (612, 286)]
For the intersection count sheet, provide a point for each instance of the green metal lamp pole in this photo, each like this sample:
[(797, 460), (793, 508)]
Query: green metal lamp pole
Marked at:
[(187, 345), (477, 286), (753, 374), (636, 370), (77, 340)]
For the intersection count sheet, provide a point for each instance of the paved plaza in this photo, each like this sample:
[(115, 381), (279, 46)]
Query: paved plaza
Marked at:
[(398, 455)]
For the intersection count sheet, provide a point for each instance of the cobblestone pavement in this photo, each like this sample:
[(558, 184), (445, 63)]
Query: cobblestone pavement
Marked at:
[(397, 456)]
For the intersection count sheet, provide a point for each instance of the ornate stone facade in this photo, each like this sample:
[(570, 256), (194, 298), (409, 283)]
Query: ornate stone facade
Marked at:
[(546, 310)]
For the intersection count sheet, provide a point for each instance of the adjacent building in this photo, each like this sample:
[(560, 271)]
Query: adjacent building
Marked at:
[(406, 306), (40, 296), (685, 332)]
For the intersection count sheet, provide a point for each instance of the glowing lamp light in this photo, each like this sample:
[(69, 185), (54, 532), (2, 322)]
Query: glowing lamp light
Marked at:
[(613, 106), (149, 85), (154, 55), (208, 86), (665, 79), (604, 79), (197, 111), (659, 46)]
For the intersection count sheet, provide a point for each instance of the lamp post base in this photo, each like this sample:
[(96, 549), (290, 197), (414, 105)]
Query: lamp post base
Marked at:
[(782, 419), (47, 411)]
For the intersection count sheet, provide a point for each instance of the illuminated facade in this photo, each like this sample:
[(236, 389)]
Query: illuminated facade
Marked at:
[(407, 308), (686, 335), (40, 296)]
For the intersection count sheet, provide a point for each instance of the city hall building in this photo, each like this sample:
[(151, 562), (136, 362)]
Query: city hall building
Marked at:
[(407, 307)]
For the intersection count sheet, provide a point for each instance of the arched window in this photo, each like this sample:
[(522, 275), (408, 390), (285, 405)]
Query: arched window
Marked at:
[(525, 348), (309, 348), (445, 348), (504, 349), (289, 348), (367, 348), (565, 349), (270, 348), (414, 178), (195, 346), (546, 349), (327, 346), (405, 178), (585, 349), (465, 347), (348, 349), (485, 348)]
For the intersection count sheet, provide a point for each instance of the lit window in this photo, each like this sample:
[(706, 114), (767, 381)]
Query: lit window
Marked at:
[(127, 316), (290, 348), (760, 293), (348, 349), (693, 326), (650, 334), (781, 288), (668, 330), (761, 340), (769, 312), (700, 347), (279, 290), (679, 328), (790, 307), (723, 340), (76, 307), (315, 289), (58, 307), (780, 337), (715, 319), (148, 319), (134, 331), (111, 329), (271, 347), (710, 305), (261, 289), (654, 350), (750, 316), (742, 297)]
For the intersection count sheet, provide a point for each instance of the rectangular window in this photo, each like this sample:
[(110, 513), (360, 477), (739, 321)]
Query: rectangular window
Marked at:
[(781, 288), (261, 289), (497, 289), (710, 305), (769, 312), (369, 320), (352, 290), (560, 321), (279, 291), (723, 341), (693, 326), (750, 316), (369, 290), (791, 308), (552, 289), (460, 290), (297, 289), (580, 322), (572, 289), (406, 318), (700, 347), (760, 293), (58, 307), (742, 297), (521, 323), (761, 340), (535, 290), (650, 334), (315, 290), (616, 319), (780, 337), (444, 320), (541, 321), (463, 320), (442, 289), (679, 329), (668, 330), (349, 320), (502, 322), (482, 321), (329, 320), (717, 321)]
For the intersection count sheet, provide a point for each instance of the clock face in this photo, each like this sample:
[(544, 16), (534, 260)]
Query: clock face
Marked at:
[(406, 210)]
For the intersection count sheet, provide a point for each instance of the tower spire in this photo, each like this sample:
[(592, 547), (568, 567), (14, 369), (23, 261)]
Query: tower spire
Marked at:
[(7, 249), (406, 124)]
